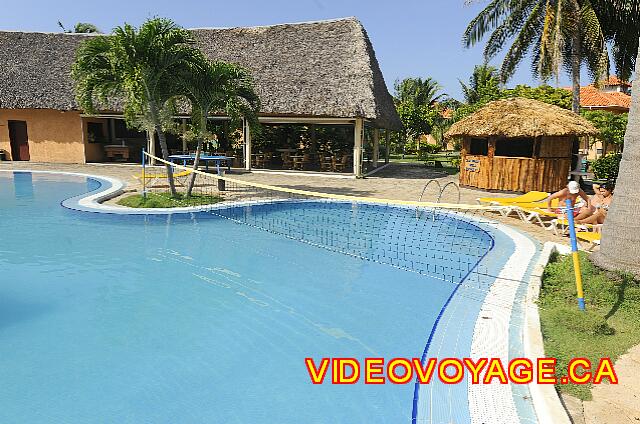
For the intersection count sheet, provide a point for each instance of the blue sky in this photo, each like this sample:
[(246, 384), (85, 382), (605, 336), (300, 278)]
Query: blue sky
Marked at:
[(411, 38)]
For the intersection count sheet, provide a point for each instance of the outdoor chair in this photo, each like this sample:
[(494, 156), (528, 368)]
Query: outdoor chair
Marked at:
[(341, 166), (327, 163), (301, 163), (532, 196), (287, 163), (264, 160), (560, 226), (589, 237)]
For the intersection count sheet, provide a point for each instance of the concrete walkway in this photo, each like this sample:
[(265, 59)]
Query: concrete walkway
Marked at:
[(612, 404)]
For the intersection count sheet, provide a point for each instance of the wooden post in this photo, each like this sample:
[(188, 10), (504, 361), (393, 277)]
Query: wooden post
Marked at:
[(376, 147), (184, 140), (387, 145), (112, 130), (357, 147), (490, 153), (247, 146)]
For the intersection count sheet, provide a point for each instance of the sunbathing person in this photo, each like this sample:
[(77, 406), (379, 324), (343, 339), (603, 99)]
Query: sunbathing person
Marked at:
[(595, 200), (598, 217), (572, 191)]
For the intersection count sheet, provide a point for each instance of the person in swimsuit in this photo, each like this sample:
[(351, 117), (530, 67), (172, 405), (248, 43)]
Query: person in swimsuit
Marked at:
[(572, 191), (598, 217), (596, 200)]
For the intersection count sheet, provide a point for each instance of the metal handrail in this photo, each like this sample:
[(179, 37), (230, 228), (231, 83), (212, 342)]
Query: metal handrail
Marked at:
[(445, 187), (422, 195)]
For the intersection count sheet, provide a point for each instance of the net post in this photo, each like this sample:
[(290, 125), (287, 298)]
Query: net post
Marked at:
[(221, 182), (574, 254), (144, 176)]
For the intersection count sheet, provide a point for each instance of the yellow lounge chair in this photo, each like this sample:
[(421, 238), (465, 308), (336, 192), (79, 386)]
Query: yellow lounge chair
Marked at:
[(589, 237), (532, 196), (152, 177), (507, 209), (537, 213), (562, 224)]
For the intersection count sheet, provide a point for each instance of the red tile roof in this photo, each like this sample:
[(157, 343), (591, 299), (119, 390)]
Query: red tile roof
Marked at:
[(613, 80), (591, 97)]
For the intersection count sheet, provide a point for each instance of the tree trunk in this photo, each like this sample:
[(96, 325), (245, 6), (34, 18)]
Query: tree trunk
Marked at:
[(165, 156), (163, 146), (196, 161), (620, 245), (575, 67)]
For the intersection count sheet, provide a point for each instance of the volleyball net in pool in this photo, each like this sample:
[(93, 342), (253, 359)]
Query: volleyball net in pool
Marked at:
[(446, 241)]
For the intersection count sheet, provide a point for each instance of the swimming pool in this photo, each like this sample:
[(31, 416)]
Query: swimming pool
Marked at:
[(195, 318)]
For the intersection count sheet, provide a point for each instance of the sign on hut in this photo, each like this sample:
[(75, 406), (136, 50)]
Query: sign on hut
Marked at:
[(519, 145)]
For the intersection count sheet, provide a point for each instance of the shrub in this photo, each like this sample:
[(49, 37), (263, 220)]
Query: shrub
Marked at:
[(606, 168), (430, 148)]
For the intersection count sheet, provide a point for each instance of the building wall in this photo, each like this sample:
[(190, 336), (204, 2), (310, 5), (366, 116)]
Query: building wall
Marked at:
[(54, 136)]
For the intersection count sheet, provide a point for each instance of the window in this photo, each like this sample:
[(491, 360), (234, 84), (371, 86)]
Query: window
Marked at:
[(479, 147), (514, 147), (95, 132)]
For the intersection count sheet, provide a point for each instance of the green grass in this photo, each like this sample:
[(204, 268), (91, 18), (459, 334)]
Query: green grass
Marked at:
[(164, 200), (608, 328), (407, 158)]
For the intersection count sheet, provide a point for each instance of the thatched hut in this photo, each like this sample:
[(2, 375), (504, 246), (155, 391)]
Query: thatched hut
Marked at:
[(518, 145)]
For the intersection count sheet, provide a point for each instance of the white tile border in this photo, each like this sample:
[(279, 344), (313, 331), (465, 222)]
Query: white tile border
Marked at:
[(546, 401), (494, 403)]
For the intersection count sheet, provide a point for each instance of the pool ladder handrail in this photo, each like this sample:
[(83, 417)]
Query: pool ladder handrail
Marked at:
[(441, 190)]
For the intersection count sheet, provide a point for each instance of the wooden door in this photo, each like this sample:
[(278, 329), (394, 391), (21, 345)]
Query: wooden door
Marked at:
[(19, 140)]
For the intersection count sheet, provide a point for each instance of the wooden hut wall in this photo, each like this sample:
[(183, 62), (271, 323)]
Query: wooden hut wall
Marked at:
[(546, 171)]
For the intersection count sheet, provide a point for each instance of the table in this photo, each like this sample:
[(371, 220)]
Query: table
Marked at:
[(111, 151), (206, 159)]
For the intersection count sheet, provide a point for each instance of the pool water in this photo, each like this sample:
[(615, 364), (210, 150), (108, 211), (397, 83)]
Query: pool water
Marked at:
[(190, 318)]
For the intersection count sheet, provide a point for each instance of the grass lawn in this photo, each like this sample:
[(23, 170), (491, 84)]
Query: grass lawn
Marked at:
[(164, 200), (407, 158), (608, 328)]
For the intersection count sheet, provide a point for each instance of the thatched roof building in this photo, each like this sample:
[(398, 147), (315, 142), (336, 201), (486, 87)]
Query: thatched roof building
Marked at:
[(306, 74), (519, 145), (325, 68), (520, 117)]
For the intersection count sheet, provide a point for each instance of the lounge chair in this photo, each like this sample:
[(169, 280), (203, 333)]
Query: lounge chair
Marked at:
[(561, 225), (524, 210), (537, 212), (589, 237), (153, 177), (532, 196)]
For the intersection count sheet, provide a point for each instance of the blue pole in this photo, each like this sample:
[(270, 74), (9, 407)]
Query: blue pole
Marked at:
[(574, 254)]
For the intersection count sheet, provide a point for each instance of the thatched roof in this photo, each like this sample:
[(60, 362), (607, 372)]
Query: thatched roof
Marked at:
[(325, 68), (519, 117)]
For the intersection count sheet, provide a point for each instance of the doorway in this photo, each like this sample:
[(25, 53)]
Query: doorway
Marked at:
[(19, 140)]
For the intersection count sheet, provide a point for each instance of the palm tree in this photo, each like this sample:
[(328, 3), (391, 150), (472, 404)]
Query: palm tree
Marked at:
[(138, 67), (620, 245), (559, 32), (417, 91), (484, 81), (620, 21), (216, 87)]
